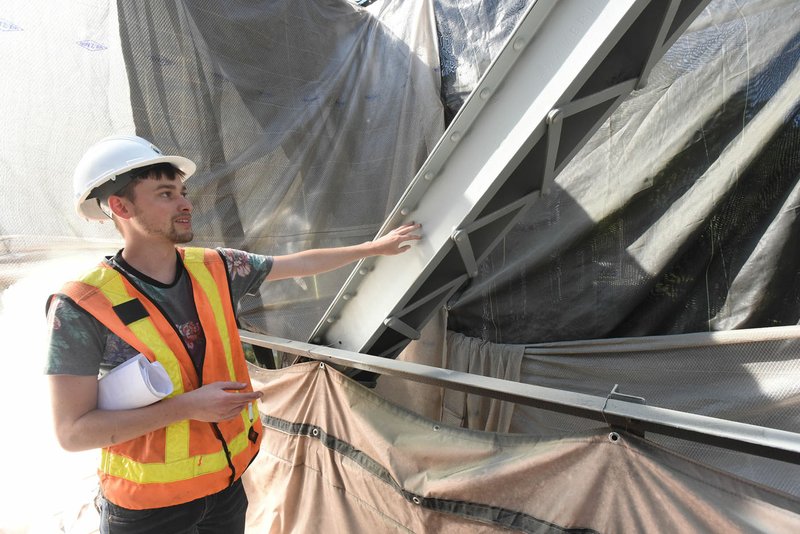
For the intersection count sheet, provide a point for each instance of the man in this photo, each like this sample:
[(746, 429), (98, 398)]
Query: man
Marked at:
[(175, 465)]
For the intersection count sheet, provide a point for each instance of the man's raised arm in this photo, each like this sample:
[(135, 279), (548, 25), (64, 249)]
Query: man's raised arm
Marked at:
[(320, 260)]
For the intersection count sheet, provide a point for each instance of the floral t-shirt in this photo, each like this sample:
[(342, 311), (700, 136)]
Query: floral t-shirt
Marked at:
[(81, 345)]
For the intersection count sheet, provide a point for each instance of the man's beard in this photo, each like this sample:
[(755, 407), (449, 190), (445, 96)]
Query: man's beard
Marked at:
[(179, 237), (183, 237), (172, 234)]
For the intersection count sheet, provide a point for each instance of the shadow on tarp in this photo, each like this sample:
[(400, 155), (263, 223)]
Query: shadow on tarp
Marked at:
[(561, 274)]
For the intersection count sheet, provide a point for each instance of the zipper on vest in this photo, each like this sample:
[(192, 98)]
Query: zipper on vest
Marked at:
[(221, 439)]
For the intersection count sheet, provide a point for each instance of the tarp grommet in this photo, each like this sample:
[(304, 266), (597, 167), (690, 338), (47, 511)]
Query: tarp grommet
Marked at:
[(613, 437), (321, 365), (436, 428), (315, 432), (416, 500)]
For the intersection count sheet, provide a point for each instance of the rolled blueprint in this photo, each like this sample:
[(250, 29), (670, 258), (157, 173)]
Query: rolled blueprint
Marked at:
[(133, 384)]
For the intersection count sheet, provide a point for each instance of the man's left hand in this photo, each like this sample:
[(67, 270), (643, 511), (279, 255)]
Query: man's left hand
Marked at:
[(398, 240)]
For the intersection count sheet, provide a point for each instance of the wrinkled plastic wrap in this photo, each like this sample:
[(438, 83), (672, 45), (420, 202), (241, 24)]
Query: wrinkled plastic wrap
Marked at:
[(471, 34), (308, 119), (680, 214)]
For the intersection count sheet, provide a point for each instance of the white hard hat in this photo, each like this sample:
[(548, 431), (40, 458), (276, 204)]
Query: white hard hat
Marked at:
[(109, 158)]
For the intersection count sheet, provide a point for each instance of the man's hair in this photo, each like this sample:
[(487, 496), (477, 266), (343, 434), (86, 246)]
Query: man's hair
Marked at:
[(153, 172), (129, 180)]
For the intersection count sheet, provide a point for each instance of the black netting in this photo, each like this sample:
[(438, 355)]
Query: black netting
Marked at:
[(307, 121), (679, 215)]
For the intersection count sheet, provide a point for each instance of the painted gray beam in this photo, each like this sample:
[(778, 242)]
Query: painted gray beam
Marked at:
[(564, 70)]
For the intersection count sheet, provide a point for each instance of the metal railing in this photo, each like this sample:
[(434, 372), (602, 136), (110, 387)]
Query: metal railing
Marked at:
[(620, 412)]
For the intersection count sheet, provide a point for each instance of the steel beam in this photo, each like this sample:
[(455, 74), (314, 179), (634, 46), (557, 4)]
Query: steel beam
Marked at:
[(619, 411), (565, 68)]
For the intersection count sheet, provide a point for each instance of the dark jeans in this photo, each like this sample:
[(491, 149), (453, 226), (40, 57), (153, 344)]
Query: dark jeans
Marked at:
[(220, 513)]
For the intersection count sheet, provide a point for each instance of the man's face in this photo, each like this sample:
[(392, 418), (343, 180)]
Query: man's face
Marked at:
[(161, 209)]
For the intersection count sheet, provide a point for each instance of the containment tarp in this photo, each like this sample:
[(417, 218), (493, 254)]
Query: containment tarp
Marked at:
[(308, 119), (337, 457), (748, 376), (471, 34), (680, 213)]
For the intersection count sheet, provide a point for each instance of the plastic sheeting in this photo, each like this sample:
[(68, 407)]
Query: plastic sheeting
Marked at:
[(309, 118), (337, 457), (471, 34), (749, 376), (307, 121), (437, 347), (680, 214)]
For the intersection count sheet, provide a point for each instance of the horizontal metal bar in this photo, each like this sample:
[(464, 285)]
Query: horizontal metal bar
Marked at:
[(742, 437)]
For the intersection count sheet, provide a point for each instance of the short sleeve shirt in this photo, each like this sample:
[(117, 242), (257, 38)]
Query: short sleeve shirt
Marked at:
[(81, 345)]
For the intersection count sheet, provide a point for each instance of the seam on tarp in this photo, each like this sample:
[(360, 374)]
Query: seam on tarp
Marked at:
[(483, 513)]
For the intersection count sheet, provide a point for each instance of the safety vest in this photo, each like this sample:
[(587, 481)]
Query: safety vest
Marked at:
[(188, 459)]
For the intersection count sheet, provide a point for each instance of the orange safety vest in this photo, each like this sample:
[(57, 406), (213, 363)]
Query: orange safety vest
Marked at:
[(188, 459)]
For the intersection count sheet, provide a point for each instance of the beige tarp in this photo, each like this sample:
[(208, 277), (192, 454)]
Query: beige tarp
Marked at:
[(749, 376), (338, 458), (438, 347)]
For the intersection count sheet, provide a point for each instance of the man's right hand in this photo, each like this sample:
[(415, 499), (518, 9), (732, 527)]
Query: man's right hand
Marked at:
[(79, 425), (219, 401)]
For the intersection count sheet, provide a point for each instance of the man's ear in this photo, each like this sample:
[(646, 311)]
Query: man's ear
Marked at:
[(120, 206)]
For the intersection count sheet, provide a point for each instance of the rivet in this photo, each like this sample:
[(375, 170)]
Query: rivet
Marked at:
[(428, 176), (362, 272), (316, 340), (347, 296), (405, 211), (330, 320), (485, 92), (519, 44), (455, 137)]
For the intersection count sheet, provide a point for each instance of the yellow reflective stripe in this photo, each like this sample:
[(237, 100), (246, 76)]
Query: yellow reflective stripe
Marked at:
[(184, 469), (109, 281), (146, 331), (94, 278), (176, 446), (194, 262), (158, 473)]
